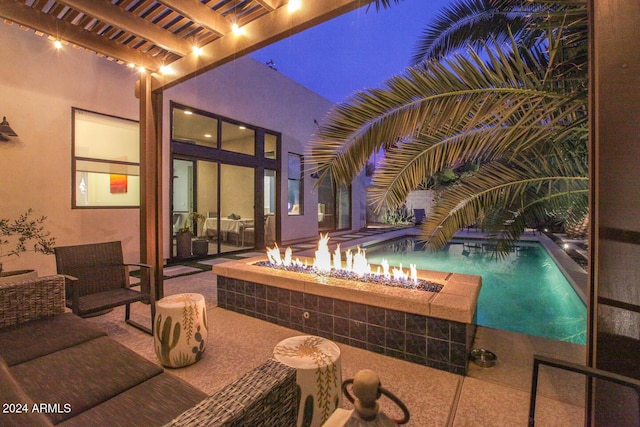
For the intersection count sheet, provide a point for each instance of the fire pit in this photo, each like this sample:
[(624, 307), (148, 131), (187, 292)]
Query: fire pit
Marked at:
[(422, 316)]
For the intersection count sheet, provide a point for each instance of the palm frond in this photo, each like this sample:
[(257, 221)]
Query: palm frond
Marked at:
[(514, 187)]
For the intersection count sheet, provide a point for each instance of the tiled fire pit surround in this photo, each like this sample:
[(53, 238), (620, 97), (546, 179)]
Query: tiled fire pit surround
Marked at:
[(432, 329)]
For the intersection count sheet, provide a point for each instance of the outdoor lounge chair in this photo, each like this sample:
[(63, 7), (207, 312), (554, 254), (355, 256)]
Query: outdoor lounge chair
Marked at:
[(97, 280)]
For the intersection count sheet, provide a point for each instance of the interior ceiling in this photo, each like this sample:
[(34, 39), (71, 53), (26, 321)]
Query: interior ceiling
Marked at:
[(150, 34)]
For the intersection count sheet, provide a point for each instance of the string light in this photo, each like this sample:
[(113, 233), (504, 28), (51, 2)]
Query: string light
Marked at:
[(294, 5)]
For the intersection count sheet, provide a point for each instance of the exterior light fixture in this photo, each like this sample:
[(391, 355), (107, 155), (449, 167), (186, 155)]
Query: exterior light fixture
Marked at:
[(237, 30), (188, 112), (294, 5), (197, 51), (5, 130), (207, 135), (142, 70), (166, 69), (242, 127), (57, 44), (131, 65)]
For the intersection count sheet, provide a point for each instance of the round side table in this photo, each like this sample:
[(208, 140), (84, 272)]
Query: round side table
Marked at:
[(318, 375), (180, 329)]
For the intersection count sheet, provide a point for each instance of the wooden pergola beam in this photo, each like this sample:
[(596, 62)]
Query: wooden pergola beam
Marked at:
[(23, 15), (259, 33), (121, 19), (270, 5), (201, 14)]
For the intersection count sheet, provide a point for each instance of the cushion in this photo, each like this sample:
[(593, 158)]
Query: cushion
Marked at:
[(154, 402), (84, 375), (43, 336), (17, 407)]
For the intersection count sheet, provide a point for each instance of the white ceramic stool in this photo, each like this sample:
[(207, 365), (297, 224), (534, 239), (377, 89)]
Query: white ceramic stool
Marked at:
[(180, 329), (318, 374)]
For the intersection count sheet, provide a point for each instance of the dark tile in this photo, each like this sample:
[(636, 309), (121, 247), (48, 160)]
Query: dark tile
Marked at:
[(376, 335), (416, 345), (443, 366), (284, 296), (341, 308), (283, 322), (250, 289), (437, 350), (395, 340), (261, 316), (341, 338), (312, 319), (325, 334), (341, 326), (250, 303), (358, 330), (297, 316), (358, 312), (311, 302), (231, 285), (375, 348), (261, 306), (221, 283), (357, 343), (325, 322), (284, 312), (394, 353), (395, 320), (261, 291), (240, 301), (325, 305), (416, 324), (297, 299), (420, 360), (272, 309), (458, 332), (458, 354), (307, 329), (438, 328), (222, 298), (375, 315), (272, 293), (459, 370)]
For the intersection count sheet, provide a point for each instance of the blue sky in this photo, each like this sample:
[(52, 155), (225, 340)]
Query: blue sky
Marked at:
[(355, 51)]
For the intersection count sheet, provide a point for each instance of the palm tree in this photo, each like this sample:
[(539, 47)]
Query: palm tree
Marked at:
[(514, 102)]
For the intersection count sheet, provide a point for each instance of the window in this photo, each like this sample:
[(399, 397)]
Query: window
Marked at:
[(106, 161), (295, 205)]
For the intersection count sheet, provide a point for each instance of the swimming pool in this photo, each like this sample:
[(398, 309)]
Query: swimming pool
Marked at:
[(523, 292)]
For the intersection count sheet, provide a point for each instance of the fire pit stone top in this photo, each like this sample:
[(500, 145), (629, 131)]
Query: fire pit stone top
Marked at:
[(456, 301)]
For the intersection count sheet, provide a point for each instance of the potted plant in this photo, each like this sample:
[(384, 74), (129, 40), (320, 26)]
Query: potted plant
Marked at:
[(185, 234), (21, 235), (199, 245)]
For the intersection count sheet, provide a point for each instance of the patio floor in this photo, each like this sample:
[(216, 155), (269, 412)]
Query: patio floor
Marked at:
[(496, 396)]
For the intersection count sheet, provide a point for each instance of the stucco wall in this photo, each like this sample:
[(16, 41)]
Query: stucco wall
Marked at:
[(251, 92), (38, 87)]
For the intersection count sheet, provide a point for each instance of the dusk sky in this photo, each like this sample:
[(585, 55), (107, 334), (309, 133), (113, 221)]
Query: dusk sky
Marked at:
[(355, 51)]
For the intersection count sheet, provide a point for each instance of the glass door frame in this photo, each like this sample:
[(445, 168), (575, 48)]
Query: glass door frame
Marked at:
[(260, 162)]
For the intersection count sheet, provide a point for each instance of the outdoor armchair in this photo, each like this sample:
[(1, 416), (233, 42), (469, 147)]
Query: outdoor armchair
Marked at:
[(97, 279)]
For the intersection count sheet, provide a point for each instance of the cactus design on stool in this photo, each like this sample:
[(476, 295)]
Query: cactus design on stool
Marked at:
[(183, 343), (163, 348)]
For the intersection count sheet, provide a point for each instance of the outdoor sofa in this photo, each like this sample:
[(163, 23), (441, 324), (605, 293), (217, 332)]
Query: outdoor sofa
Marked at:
[(59, 369)]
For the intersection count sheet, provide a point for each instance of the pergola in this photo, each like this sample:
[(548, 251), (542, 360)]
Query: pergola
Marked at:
[(170, 41)]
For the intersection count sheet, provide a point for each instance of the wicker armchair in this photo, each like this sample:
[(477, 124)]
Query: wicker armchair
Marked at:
[(98, 280)]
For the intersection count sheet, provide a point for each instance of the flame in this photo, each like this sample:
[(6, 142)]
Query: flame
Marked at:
[(322, 262), (356, 263)]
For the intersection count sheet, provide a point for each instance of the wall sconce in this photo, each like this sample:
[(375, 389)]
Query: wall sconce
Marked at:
[(5, 130)]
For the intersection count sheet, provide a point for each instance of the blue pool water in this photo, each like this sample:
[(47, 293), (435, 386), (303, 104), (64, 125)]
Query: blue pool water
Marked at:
[(523, 292)]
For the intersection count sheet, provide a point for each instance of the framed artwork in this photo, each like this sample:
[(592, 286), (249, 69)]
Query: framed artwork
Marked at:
[(118, 184)]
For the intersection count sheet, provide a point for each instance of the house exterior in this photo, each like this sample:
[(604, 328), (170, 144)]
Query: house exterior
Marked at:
[(50, 96)]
